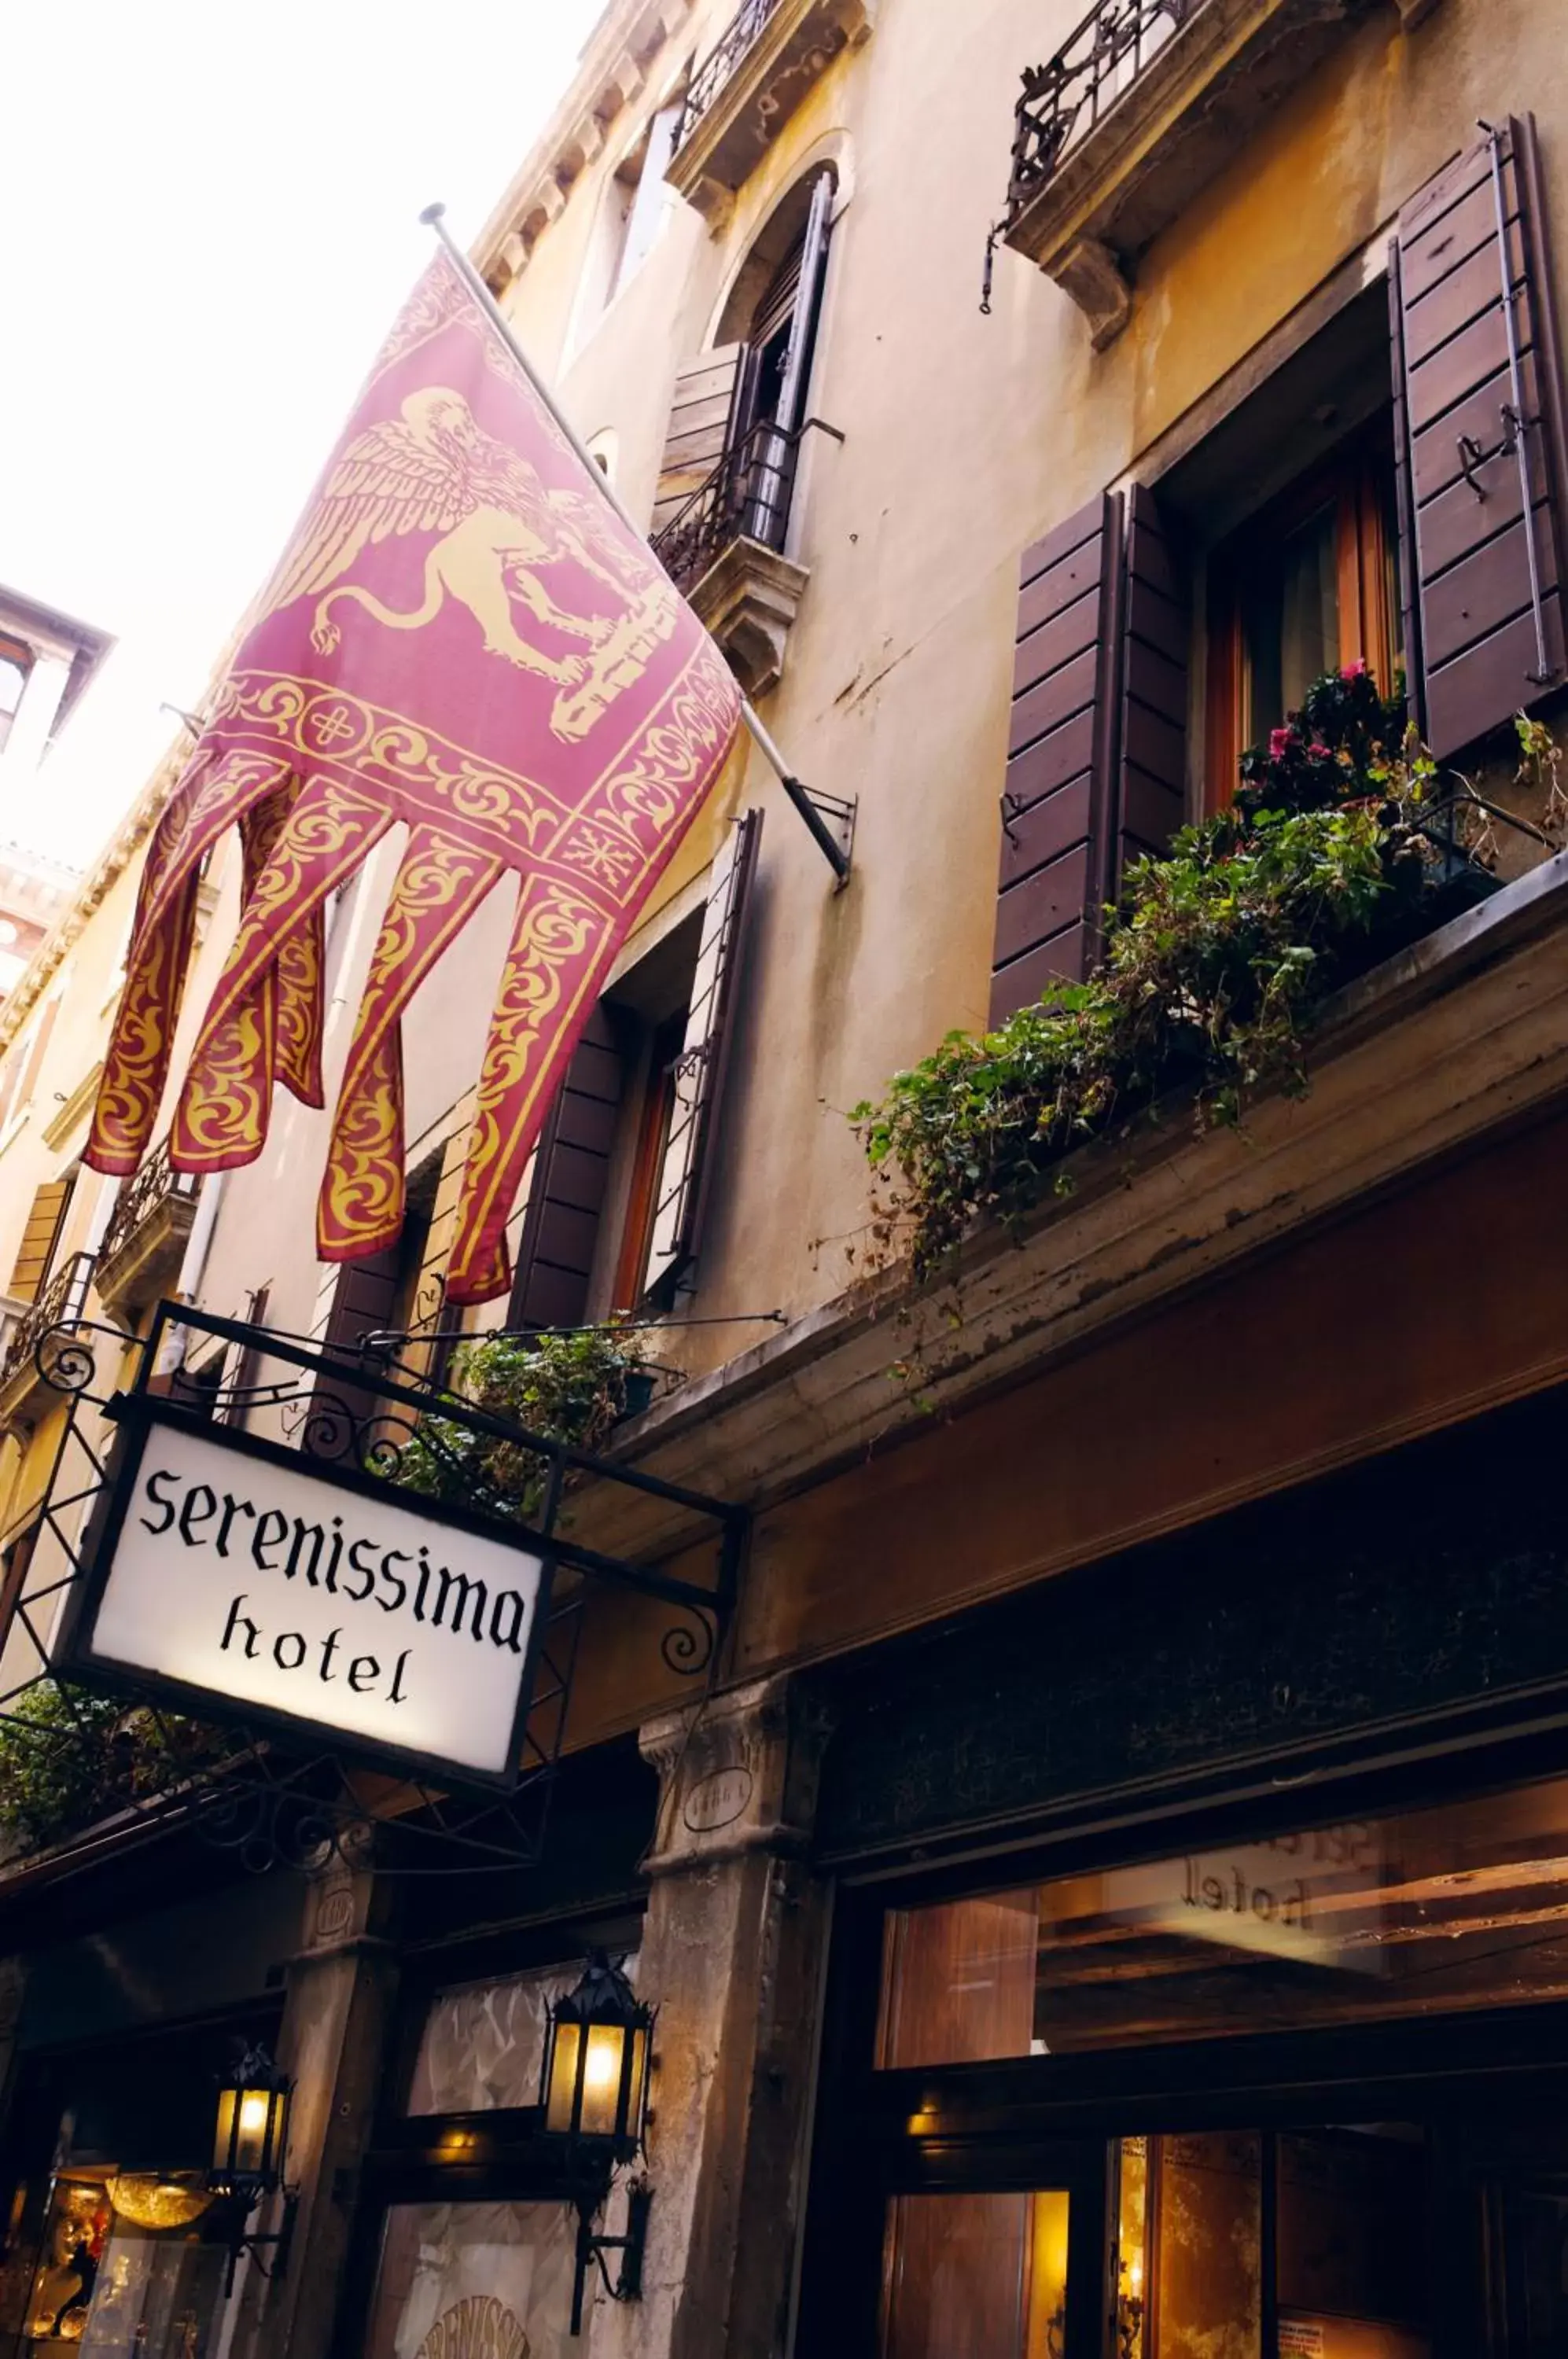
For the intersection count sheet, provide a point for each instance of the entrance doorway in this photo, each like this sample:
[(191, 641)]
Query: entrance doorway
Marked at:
[(1286, 2092)]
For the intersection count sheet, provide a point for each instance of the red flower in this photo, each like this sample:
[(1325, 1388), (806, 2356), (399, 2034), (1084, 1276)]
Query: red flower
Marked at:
[(1280, 744), (1320, 751), (1355, 670)]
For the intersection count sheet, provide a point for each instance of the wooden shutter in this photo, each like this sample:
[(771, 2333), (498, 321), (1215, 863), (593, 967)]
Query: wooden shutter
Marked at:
[(1097, 750), (39, 1240), (808, 304), (1151, 749), (571, 1169), (1059, 751), (364, 1302), (685, 1182), (247, 1362), (700, 420), (1481, 564)]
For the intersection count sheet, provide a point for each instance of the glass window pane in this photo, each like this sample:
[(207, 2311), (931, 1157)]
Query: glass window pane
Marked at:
[(1207, 2275), (1348, 2235), (483, 2277), (960, 1981), (1458, 1907), (1291, 615), (976, 2276)]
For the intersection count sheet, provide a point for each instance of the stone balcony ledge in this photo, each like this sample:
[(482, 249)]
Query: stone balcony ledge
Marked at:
[(1464, 1031), (1106, 157), (745, 91)]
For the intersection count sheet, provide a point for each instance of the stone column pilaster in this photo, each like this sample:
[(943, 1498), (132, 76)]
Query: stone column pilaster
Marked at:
[(337, 2024), (732, 1954)]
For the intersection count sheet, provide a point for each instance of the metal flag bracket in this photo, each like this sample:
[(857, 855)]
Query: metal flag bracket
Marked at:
[(829, 819)]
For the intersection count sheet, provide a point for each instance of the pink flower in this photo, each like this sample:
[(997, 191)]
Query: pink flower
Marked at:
[(1280, 744), (1318, 751), (1355, 670)]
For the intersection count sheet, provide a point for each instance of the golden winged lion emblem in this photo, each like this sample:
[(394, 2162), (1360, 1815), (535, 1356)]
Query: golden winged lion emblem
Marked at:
[(433, 470)]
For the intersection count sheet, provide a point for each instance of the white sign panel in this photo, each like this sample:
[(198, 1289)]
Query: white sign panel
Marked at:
[(273, 1588)]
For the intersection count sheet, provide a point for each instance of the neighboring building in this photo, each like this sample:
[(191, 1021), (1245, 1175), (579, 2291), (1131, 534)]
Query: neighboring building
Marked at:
[(1108, 1899), (35, 894), (46, 662)]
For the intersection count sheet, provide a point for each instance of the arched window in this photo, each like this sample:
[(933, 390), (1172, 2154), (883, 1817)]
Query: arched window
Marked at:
[(741, 405), (780, 340)]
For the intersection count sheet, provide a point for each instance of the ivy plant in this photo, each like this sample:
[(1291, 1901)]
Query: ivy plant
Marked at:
[(1215, 961), (69, 1757), (571, 1387)]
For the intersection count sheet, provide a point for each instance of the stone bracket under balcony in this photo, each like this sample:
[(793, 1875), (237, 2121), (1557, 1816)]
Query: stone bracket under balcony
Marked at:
[(1153, 145), (140, 1259), (748, 598), (723, 139)]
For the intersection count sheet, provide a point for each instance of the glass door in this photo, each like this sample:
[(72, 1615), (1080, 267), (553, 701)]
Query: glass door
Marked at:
[(978, 2276)]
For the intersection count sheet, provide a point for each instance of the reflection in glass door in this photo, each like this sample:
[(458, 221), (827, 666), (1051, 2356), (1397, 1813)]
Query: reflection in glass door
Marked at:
[(977, 2277)]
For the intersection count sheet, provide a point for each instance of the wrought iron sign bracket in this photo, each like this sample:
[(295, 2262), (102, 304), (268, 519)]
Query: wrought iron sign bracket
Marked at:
[(376, 1447), (284, 1787)]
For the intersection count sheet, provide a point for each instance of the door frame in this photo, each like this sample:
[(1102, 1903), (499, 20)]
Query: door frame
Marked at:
[(1007, 2124)]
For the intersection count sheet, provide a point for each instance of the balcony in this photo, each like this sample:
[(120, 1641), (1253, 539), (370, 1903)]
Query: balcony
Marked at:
[(724, 550), (25, 1391), (1145, 102), (744, 91), (144, 1245)]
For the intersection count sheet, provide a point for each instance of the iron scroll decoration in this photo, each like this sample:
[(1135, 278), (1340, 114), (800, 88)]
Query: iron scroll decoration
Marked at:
[(269, 1801)]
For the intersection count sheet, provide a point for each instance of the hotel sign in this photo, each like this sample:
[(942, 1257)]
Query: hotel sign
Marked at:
[(241, 1581)]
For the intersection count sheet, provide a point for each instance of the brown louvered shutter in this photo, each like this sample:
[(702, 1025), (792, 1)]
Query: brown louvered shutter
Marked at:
[(364, 1302), (1098, 750), (1059, 753), (1151, 752), (571, 1170), (40, 1239), (685, 1182), (1479, 413), (700, 420)]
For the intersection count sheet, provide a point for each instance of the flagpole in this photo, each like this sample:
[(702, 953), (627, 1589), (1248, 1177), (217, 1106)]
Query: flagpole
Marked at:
[(836, 851)]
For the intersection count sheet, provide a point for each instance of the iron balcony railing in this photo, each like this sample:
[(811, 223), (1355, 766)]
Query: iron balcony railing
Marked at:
[(1063, 102), (62, 1303), (141, 1195), (746, 496), (721, 63)]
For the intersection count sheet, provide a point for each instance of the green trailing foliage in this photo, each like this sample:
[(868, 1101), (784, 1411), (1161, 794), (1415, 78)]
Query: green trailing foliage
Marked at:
[(1215, 962), (571, 1387), (69, 1758)]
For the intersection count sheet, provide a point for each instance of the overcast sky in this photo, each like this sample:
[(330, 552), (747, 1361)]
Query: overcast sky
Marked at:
[(210, 216)]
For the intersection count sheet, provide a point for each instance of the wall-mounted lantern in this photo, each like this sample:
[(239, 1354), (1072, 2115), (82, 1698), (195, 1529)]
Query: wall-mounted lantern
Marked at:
[(249, 2147), (598, 2049)]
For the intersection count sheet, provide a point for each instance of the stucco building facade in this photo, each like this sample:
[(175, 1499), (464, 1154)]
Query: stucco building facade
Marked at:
[(1132, 1762)]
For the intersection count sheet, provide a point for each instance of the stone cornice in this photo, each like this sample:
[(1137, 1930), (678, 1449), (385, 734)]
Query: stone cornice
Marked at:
[(625, 45), (1467, 1030)]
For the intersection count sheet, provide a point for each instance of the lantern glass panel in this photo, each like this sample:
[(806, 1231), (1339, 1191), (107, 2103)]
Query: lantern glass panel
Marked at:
[(601, 2079), (249, 2142), (564, 2043)]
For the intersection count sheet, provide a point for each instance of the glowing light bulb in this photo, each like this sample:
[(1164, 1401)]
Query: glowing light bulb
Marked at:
[(604, 2067), (252, 2115)]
